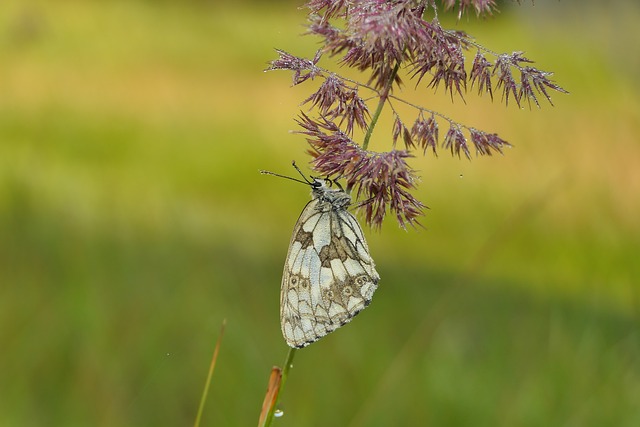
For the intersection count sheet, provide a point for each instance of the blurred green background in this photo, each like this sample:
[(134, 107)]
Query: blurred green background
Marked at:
[(133, 221)]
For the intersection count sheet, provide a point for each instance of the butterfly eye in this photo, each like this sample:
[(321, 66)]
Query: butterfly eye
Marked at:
[(317, 183)]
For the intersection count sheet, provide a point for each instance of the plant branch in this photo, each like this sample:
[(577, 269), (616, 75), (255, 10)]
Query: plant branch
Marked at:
[(383, 98)]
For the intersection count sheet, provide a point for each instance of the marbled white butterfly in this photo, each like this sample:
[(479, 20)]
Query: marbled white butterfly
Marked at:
[(329, 275)]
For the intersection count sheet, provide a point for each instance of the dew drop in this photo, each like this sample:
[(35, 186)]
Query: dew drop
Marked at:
[(278, 413), (461, 176)]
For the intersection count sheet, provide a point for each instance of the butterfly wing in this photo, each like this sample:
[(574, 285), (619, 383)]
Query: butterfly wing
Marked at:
[(329, 275)]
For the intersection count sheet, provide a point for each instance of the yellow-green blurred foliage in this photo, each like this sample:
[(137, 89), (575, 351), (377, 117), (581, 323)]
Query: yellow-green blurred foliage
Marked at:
[(133, 220)]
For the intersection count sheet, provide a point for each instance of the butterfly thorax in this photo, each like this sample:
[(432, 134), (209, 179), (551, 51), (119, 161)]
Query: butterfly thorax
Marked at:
[(338, 198)]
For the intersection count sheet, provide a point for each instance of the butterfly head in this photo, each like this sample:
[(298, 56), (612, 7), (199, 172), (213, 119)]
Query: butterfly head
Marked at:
[(324, 190)]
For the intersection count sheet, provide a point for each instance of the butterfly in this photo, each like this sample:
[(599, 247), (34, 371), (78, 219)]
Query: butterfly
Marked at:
[(329, 275)]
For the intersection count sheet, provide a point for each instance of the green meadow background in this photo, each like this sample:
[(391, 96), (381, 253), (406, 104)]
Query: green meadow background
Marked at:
[(133, 220)]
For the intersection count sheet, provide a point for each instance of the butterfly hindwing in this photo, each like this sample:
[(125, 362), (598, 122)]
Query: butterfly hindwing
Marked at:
[(329, 275)]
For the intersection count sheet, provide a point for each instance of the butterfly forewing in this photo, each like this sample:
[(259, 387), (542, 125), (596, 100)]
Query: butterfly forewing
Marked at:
[(329, 275)]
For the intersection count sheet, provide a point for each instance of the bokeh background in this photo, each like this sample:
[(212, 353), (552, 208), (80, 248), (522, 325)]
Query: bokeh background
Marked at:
[(133, 220)]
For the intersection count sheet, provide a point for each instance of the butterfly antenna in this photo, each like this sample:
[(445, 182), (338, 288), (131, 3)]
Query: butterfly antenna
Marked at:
[(313, 183), (306, 181), (293, 163)]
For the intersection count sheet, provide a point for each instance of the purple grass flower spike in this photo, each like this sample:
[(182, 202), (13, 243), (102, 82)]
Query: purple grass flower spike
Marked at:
[(386, 43)]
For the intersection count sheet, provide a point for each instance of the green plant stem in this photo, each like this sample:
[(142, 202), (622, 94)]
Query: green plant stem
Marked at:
[(212, 367), (285, 373), (384, 94)]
